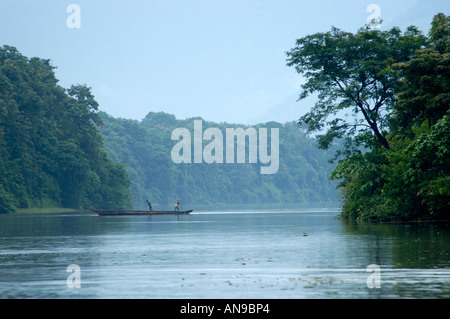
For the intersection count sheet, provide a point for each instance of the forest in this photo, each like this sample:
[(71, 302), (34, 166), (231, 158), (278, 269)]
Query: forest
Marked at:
[(51, 152), (386, 96), (144, 147), (58, 150)]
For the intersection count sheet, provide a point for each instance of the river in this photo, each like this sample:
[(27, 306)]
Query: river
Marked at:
[(271, 254)]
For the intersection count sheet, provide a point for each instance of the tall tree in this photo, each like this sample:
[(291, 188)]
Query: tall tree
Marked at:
[(353, 77), (408, 178)]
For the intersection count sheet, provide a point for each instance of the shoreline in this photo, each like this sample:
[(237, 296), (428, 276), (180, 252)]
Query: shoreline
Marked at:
[(47, 210)]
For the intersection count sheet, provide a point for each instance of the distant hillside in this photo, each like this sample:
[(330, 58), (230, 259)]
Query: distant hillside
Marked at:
[(145, 148)]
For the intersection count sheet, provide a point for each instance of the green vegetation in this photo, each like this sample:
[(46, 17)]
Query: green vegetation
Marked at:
[(145, 148), (51, 153), (383, 110), (395, 88), (54, 147)]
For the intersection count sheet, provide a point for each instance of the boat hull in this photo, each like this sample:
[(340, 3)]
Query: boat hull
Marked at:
[(140, 212)]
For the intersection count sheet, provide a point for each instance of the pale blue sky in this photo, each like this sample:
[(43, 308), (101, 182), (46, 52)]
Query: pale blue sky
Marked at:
[(221, 60)]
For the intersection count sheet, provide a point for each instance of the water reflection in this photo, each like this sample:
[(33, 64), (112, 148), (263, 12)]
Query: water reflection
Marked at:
[(407, 245), (252, 254)]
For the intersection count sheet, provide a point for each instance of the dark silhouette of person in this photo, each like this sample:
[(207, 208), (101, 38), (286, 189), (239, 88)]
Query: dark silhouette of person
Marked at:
[(149, 205)]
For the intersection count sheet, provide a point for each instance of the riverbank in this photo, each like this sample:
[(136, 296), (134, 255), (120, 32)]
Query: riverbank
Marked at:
[(47, 210)]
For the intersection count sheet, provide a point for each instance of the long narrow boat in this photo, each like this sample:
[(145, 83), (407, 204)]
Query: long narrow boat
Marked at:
[(141, 212)]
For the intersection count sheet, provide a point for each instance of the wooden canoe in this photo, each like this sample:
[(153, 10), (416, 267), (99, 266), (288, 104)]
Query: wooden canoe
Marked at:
[(140, 212)]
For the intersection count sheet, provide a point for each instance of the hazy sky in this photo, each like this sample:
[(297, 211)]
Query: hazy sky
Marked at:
[(223, 60)]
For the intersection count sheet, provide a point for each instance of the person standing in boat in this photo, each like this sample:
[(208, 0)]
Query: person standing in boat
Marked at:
[(149, 205), (177, 206)]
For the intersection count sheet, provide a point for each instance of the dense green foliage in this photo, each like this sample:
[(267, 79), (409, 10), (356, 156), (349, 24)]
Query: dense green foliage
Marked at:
[(352, 73), (145, 147), (398, 166), (51, 153)]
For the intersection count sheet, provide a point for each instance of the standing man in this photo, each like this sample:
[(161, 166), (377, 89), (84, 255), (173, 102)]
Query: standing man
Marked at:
[(149, 205), (177, 206)]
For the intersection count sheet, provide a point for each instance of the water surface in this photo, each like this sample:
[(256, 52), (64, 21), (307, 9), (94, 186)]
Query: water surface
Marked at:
[(288, 254)]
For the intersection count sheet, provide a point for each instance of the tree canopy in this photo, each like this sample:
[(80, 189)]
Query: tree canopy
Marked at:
[(58, 150), (354, 79), (396, 163), (51, 153), (145, 148)]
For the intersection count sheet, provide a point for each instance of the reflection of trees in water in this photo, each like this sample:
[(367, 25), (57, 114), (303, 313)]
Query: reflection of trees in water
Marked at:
[(405, 245)]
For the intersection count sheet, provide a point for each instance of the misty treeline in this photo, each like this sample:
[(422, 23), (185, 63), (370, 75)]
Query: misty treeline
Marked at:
[(145, 148), (386, 96), (51, 153), (54, 146)]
